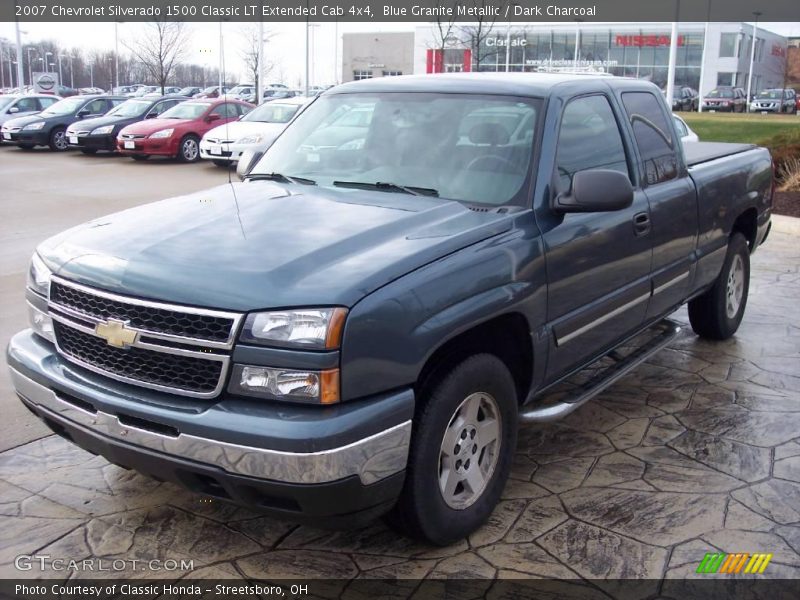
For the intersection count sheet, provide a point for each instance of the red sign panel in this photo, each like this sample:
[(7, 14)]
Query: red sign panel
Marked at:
[(645, 40)]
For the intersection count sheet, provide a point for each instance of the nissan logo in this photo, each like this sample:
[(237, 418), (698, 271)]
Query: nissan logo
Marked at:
[(46, 82)]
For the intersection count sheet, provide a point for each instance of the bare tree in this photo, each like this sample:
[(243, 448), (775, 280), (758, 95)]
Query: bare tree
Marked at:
[(476, 34), (161, 48), (249, 54), (444, 27)]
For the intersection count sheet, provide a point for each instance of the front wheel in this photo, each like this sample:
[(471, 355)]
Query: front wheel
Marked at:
[(717, 314), (462, 446), (189, 149), (58, 140)]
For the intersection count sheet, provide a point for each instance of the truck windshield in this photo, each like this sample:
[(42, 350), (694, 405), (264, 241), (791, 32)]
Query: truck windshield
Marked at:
[(461, 147)]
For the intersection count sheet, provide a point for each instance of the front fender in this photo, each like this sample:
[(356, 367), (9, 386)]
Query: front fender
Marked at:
[(391, 333)]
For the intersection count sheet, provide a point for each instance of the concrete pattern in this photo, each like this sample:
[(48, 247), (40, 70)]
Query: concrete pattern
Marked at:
[(696, 451)]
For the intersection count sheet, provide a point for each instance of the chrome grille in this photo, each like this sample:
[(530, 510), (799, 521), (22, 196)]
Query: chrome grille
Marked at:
[(137, 365), (162, 320), (132, 136), (179, 349)]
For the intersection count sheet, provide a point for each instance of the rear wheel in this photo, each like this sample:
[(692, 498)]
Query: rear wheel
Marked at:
[(462, 446), (58, 140), (189, 149), (717, 314)]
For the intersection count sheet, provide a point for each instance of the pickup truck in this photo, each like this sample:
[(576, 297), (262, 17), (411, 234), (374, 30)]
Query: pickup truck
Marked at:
[(359, 329)]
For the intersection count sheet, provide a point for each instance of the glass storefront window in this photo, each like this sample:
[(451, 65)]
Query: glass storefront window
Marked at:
[(727, 45)]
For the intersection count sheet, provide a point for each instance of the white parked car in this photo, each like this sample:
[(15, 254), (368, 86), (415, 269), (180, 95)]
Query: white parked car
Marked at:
[(255, 130), (687, 135)]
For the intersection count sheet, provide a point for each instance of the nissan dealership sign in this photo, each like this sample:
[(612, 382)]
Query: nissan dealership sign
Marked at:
[(45, 83)]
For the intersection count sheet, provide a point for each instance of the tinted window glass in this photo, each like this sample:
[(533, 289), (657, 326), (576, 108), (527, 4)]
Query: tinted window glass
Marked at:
[(653, 136), (26, 104), (226, 110), (589, 138), (97, 107)]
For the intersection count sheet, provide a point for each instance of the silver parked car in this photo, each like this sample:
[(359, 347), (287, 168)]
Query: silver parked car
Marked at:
[(22, 105)]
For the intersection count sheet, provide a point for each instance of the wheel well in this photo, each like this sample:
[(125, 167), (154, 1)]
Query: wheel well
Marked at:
[(747, 224), (506, 336)]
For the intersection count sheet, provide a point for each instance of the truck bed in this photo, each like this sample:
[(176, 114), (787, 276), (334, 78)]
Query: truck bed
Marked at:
[(700, 152)]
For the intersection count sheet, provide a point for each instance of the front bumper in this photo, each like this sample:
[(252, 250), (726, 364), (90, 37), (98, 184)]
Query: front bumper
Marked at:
[(338, 465), (38, 137), (227, 152), (93, 142), (718, 108), (150, 147)]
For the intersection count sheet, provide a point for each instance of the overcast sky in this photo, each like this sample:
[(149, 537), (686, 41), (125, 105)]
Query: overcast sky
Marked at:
[(286, 46)]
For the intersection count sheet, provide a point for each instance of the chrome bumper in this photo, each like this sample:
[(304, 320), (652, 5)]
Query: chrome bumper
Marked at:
[(372, 459)]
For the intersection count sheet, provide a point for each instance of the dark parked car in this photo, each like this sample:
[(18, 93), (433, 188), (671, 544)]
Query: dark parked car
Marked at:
[(212, 92), (91, 135), (725, 99), (776, 101), (189, 92), (362, 331), (49, 127), (685, 98)]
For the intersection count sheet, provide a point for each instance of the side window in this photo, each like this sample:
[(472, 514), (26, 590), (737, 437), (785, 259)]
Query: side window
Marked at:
[(242, 109), (589, 138), (226, 110), (45, 102), (161, 107), (26, 104), (97, 107), (653, 136), (681, 128)]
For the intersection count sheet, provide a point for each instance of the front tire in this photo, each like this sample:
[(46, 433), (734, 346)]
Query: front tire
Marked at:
[(58, 140), (462, 446), (717, 314), (189, 149)]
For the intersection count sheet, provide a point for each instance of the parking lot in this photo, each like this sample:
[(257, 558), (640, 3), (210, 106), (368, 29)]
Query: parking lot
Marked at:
[(697, 451)]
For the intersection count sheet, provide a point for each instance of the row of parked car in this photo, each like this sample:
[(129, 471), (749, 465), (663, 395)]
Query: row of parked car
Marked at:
[(734, 99), (217, 129)]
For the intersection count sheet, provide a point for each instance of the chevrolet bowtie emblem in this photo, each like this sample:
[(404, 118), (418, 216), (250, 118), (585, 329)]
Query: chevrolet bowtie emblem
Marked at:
[(116, 333)]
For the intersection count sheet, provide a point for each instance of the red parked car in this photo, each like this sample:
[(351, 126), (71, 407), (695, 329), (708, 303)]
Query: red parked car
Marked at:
[(177, 132)]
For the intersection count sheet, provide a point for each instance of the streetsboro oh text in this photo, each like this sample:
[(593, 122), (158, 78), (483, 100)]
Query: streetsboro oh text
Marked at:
[(166, 589), (551, 10)]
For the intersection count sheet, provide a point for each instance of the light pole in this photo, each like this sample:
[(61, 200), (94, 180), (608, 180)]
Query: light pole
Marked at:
[(752, 58), (221, 62), (19, 55), (47, 61), (90, 64), (577, 42), (307, 55), (60, 72), (703, 61), (30, 67)]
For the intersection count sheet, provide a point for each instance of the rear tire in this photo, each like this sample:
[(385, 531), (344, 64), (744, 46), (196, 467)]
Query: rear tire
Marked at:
[(717, 314), (58, 140), (189, 149), (462, 446)]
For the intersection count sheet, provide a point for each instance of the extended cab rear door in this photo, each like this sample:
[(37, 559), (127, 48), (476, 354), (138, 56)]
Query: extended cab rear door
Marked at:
[(671, 194), (598, 264)]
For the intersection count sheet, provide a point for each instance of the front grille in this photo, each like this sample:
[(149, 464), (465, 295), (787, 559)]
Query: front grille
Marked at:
[(132, 136), (149, 367), (172, 322), (219, 141)]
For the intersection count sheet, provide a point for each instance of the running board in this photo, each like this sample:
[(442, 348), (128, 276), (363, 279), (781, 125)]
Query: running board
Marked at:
[(665, 332)]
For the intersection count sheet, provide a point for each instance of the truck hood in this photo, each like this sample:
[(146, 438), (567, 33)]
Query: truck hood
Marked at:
[(255, 245)]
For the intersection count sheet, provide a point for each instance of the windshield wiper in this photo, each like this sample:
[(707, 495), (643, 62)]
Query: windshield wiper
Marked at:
[(389, 187), (281, 177)]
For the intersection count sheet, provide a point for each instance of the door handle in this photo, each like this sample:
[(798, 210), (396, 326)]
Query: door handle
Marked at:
[(641, 223)]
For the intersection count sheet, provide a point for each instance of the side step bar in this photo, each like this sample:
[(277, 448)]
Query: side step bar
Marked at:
[(665, 332)]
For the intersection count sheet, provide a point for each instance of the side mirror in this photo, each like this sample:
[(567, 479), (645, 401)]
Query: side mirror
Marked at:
[(13, 110), (247, 161), (596, 190), (84, 112), (213, 117)]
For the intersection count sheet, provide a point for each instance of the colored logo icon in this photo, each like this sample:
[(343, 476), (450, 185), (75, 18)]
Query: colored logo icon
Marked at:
[(720, 562)]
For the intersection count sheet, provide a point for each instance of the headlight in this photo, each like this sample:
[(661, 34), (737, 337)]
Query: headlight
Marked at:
[(164, 133), (250, 139), (41, 323), (37, 125), (313, 329), (317, 387), (103, 130), (39, 276)]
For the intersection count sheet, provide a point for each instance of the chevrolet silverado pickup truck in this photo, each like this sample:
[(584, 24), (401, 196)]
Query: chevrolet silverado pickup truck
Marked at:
[(358, 329)]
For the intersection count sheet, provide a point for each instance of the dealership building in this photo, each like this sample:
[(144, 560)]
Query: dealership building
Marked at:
[(708, 55)]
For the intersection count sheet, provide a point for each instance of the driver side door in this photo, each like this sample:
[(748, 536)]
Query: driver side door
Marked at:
[(598, 263)]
